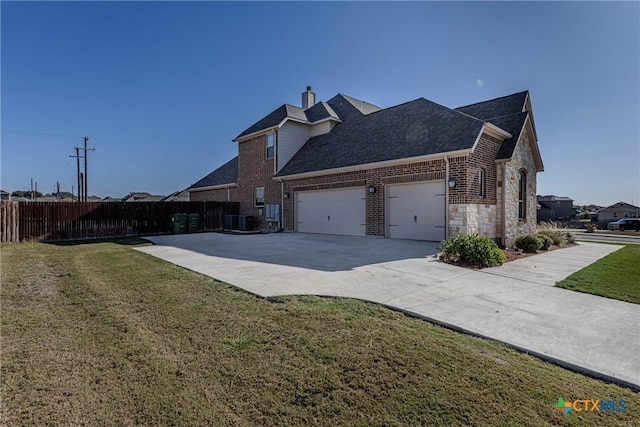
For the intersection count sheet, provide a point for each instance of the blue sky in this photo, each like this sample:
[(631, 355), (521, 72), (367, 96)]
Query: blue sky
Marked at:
[(162, 88)]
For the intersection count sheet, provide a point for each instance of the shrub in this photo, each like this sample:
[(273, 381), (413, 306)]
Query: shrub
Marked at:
[(559, 237), (528, 243), (479, 251), (591, 228), (546, 241), (571, 238)]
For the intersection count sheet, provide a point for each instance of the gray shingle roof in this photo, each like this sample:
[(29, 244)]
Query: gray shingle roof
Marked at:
[(347, 107), (416, 128), (620, 205), (552, 198), (340, 107), (498, 107), (271, 119), (512, 124), (225, 174), (320, 111)]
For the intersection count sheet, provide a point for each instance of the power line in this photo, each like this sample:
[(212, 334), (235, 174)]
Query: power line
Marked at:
[(40, 133)]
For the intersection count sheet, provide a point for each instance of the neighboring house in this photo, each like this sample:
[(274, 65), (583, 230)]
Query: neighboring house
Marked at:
[(618, 211), (417, 170), (142, 197), (4, 195), (178, 196), (555, 208)]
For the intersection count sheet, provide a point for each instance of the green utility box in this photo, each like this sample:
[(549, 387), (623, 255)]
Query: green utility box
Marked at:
[(194, 223), (179, 223)]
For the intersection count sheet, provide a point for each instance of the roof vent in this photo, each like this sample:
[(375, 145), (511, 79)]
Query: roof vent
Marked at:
[(308, 98)]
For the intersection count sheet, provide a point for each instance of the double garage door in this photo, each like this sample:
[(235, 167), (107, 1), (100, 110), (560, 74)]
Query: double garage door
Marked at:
[(413, 211), (340, 211)]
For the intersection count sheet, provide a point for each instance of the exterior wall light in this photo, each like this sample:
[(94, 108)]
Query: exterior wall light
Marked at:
[(285, 195), (372, 189), (452, 183)]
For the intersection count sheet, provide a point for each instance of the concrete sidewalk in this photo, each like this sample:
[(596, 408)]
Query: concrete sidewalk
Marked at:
[(515, 303)]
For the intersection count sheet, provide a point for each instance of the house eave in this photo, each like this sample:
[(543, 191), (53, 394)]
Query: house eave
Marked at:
[(495, 131), (212, 187), (257, 133), (375, 165)]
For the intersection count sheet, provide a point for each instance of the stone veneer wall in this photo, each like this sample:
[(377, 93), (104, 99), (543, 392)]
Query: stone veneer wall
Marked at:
[(473, 219), (522, 159)]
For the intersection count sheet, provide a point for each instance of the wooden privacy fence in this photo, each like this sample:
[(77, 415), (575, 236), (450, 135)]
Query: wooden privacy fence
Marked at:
[(54, 221)]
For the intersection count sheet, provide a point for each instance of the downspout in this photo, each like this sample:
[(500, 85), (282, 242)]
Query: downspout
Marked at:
[(228, 194), (504, 204), (446, 197), (281, 225), (275, 151)]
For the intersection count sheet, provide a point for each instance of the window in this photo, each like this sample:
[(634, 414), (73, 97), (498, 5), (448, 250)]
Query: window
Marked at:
[(553, 213), (615, 214), (258, 196), (557, 204), (626, 214), (270, 146), (482, 186), (522, 194)]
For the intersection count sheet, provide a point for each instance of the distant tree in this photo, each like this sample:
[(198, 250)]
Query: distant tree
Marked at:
[(26, 194)]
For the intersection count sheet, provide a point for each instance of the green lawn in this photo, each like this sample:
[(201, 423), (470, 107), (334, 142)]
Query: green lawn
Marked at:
[(615, 276), (100, 334)]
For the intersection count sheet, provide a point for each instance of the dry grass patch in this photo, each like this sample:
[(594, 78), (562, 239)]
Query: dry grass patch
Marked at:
[(101, 334)]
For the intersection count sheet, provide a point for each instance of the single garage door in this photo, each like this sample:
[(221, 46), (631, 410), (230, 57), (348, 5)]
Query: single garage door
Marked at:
[(416, 211), (340, 211)]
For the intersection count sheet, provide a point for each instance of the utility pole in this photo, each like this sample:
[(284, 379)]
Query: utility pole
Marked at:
[(31, 192), (57, 190), (77, 156), (36, 191), (86, 174), (83, 178)]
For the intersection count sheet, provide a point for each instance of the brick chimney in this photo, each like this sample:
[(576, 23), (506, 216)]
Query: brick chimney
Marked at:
[(308, 98)]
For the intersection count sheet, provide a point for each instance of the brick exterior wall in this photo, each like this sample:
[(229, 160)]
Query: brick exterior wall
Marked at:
[(218, 195), (255, 170), (379, 177), (465, 170), (468, 212)]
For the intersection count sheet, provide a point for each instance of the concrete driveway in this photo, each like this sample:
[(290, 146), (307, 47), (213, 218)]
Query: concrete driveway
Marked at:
[(515, 303)]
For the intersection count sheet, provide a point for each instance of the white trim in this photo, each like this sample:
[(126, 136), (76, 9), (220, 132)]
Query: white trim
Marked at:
[(375, 165), (495, 131), (491, 130), (212, 187), (534, 143), (256, 133), (279, 125)]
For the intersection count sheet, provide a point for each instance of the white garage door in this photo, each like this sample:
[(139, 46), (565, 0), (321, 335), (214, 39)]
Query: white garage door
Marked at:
[(339, 211), (416, 211)]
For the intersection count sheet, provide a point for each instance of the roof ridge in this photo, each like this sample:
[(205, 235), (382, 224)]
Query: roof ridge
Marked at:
[(508, 115), (349, 98), (492, 99), (453, 110)]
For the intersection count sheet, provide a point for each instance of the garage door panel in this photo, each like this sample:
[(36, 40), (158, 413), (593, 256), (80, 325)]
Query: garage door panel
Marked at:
[(340, 211), (416, 211)]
